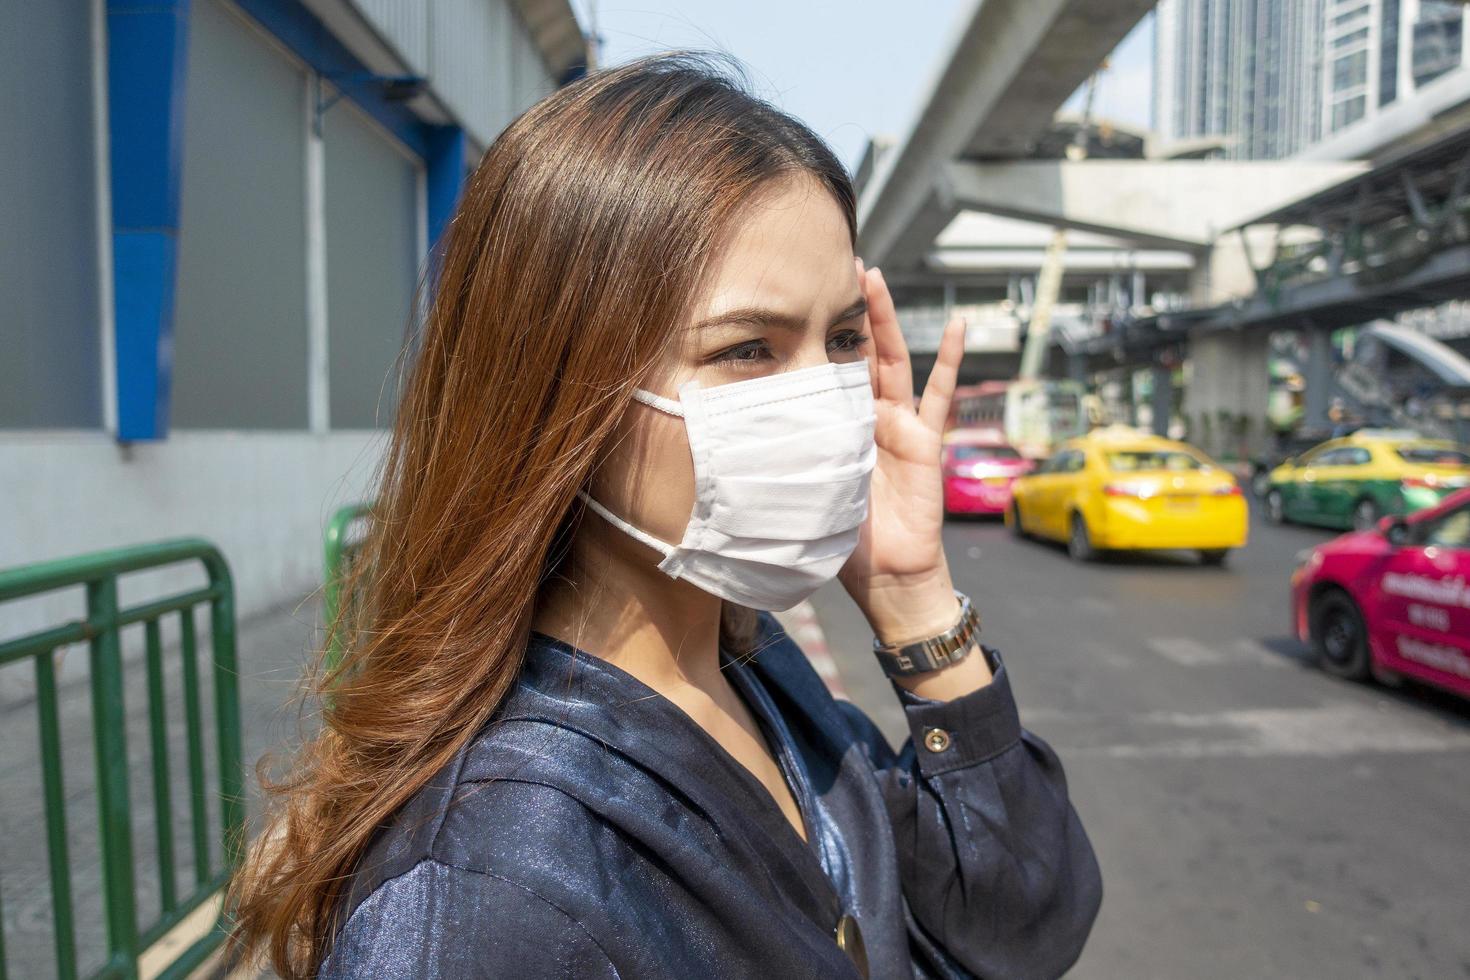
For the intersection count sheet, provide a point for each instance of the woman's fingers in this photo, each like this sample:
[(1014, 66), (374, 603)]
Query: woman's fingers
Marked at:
[(895, 376), (870, 351), (939, 389)]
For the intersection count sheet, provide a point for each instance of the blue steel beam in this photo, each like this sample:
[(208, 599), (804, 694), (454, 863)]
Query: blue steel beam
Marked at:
[(301, 31), (147, 42), (446, 164)]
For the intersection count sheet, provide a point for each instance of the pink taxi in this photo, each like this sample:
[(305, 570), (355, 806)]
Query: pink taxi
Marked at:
[(979, 466), (1394, 600)]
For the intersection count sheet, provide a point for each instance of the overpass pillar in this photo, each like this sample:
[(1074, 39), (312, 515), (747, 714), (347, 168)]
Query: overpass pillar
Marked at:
[(1318, 378), (1228, 393), (1161, 398), (1077, 367)]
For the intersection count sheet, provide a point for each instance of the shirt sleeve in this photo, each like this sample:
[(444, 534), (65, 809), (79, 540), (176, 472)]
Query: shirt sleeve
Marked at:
[(437, 921), (995, 865)]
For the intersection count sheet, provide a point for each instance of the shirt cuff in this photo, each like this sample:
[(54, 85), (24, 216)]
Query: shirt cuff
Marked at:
[(962, 731)]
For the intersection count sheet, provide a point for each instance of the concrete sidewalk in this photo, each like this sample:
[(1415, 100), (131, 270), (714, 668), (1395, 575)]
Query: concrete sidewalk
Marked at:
[(272, 649)]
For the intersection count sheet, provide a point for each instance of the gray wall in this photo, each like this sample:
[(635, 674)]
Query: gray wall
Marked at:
[(241, 331), (50, 346), (484, 63), (372, 253), (240, 334)]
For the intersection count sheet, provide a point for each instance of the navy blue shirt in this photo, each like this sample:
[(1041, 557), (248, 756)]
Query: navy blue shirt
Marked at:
[(593, 829)]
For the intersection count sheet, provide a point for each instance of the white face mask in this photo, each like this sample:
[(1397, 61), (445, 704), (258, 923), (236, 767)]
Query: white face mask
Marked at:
[(781, 471)]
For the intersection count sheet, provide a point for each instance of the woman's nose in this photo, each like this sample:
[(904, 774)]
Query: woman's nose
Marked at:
[(812, 353)]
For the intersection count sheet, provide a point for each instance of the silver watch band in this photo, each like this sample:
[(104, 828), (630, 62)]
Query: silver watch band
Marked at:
[(934, 652)]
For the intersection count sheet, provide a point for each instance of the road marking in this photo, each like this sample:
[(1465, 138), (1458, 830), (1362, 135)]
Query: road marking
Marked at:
[(1253, 652), (1184, 651), (1111, 658), (1335, 730), (1192, 653)]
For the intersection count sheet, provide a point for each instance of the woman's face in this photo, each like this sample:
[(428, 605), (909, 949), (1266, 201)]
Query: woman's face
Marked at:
[(783, 296)]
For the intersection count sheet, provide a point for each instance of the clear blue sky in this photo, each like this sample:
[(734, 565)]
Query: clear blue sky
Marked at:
[(848, 70)]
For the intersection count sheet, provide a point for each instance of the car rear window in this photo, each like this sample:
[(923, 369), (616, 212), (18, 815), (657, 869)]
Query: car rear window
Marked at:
[(1129, 461), (962, 453), (1434, 455)]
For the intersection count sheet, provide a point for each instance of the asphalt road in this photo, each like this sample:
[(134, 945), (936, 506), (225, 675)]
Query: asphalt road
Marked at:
[(1253, 816)]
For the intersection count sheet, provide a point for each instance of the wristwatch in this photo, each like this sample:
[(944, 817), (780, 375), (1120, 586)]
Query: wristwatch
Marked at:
[(949, 647)]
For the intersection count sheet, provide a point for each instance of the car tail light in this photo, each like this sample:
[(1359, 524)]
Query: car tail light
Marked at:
[(1229, 490), (1128, 490), (1427, 481)]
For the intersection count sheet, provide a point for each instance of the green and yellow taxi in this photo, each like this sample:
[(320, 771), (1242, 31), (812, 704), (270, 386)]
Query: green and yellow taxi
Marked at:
[(1353, 481)]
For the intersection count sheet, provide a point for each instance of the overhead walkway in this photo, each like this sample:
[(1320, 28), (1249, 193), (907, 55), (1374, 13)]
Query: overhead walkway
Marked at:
[(1391, 239)]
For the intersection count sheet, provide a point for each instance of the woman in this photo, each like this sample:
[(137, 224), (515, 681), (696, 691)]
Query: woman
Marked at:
[(657, 396)]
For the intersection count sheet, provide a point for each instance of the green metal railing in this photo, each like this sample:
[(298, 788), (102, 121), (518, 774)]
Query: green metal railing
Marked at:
[(340, 549), (101, 631)]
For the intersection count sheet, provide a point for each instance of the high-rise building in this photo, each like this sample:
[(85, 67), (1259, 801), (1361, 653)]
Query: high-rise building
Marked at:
[(1272, 77), (1437, 38), (1242, 70)]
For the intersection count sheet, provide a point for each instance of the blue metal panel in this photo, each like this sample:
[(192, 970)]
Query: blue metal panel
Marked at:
[(447, 162), (144, 263), (298, 29), (573, 72), (146, 45)]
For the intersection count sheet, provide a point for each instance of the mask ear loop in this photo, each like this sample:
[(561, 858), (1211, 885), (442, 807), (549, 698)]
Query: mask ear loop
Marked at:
[(670, 562), (637, 534), (668, 405)]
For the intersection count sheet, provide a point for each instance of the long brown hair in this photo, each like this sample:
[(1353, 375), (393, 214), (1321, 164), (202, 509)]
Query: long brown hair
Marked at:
[(573, 258)]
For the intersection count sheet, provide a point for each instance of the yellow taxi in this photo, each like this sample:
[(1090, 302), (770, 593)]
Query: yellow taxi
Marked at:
[(1117, 488)]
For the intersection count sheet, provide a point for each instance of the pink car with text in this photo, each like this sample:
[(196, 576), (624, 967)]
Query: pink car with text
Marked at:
[(1392, 601), (979, 467)]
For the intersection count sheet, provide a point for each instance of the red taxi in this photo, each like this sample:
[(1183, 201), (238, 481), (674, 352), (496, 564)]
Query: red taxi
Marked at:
[(1394, 600), (979, 466)]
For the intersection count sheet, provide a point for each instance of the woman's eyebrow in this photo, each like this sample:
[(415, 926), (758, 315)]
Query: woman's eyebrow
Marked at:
[(762, 317)]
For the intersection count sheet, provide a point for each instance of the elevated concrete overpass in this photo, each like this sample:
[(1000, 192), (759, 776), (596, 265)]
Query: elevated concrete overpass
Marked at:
[(994, 96), (1391, 238), (988, 139)]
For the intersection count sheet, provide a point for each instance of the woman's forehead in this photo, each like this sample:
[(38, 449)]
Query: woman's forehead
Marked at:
[(789, 251)]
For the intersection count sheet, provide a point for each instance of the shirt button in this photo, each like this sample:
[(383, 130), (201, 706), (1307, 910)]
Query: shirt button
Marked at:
[(850, 941), (936, 739)]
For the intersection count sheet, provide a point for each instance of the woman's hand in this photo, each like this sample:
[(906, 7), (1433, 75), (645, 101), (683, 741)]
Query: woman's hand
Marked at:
[(898, 575)]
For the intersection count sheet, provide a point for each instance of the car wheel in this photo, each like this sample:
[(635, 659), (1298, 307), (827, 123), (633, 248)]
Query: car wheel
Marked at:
[(1213, 556), (1016, 527), (1339, 637), (1261, 483), (1275, 507), (1365, 515), (1079, 542)]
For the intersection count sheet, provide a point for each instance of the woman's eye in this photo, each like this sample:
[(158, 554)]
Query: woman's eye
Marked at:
[(749, 352), (847, 340)]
